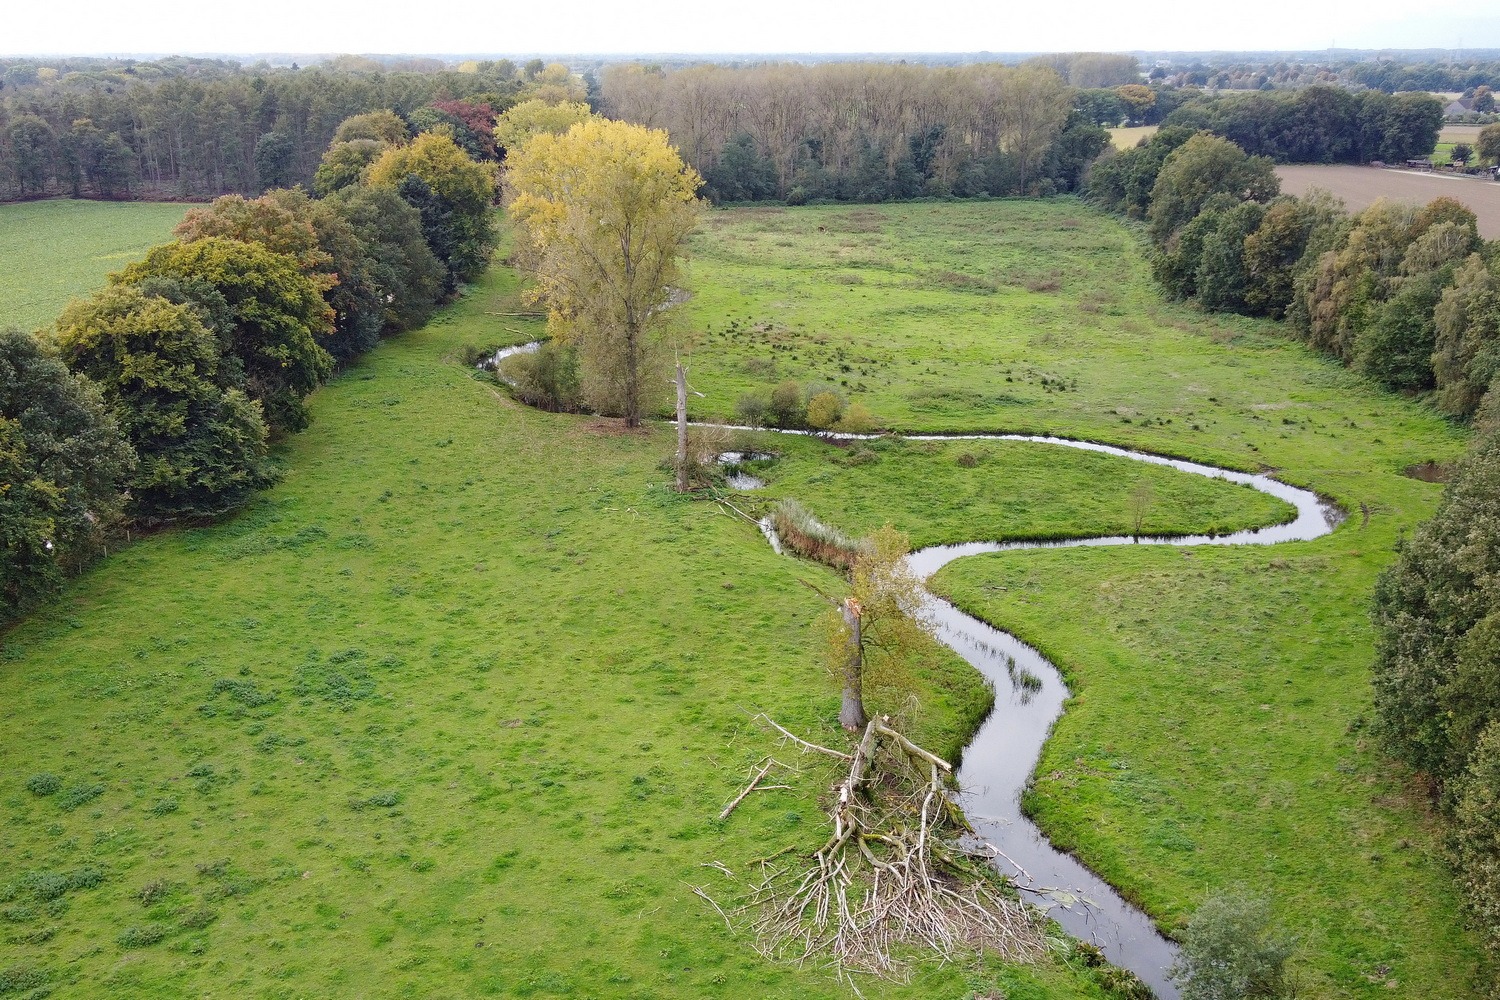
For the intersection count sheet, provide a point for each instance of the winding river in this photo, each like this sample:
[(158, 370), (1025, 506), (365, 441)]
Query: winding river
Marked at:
[(1000, 758)]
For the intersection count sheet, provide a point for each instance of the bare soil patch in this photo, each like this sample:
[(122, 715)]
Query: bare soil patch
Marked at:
[(1359, 187)]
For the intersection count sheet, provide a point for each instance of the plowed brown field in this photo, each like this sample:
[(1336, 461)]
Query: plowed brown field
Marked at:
[(1360, 186)]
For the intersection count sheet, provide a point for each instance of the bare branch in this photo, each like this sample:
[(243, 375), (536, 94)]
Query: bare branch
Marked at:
[(801, 742)]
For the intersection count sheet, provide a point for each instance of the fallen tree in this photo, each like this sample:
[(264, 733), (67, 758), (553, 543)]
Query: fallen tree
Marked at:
[(893, 878)]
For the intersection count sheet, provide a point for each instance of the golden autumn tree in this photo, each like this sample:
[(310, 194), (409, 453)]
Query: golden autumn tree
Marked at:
[(602, 212), (517, 126)]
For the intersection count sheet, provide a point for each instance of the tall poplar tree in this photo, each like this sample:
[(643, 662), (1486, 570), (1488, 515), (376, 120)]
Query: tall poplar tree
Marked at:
[(603, 211)]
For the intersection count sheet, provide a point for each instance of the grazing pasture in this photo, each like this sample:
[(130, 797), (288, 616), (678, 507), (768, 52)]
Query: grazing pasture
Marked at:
[(1359, 187), (452, 711), (54, 251), (1129, 138)]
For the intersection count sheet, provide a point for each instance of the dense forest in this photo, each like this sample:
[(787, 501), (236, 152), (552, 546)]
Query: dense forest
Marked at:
[(194, 129), (862, 131)]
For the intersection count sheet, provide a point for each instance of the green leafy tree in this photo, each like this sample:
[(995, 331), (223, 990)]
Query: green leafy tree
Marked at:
[(278, 316), (62, 465), (32, 144), (383, 126), (1488, 143), (344, 163), (1231, 950), (1461, 153), (1437, 618), (1275, 253), (408, 279), (1223, 279), (1175, 262), (202, 446), (1200, 168), (463, 188), (1466, 355), (275, 160), (1396, 347), (1476, 832)]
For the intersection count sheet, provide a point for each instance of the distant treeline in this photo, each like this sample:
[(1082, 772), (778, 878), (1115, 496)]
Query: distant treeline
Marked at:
[(1318, 124), (200, 128), (1375, 71), (863, 131), (1410, 296)]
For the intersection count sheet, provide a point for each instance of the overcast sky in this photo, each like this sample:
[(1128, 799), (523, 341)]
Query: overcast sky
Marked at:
[(660, 26)]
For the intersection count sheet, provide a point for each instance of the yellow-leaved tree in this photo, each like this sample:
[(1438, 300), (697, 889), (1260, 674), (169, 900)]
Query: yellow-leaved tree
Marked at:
[(519, 125), (602, 212)]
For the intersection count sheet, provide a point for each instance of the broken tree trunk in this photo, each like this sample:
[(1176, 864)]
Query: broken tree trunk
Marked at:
[(852, 711)]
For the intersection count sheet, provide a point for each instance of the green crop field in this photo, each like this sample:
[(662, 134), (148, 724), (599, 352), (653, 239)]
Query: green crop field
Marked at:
[(54, 251), (452, 711)]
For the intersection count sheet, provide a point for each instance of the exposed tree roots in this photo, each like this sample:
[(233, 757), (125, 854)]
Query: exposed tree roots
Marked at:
[(892, 879)]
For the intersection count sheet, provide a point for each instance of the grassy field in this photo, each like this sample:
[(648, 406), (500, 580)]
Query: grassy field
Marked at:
[(55, 251), (1129, 138), (451, 711), (1040, 316)]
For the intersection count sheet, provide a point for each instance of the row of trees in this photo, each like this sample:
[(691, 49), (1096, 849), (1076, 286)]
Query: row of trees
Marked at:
[(1320, 124), (156, 398), (863, 131), (242, 132), (1409, 295), (1437, 669)]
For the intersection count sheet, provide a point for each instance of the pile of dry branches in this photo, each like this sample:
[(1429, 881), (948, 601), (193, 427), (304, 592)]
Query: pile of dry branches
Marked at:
[(892, 878)]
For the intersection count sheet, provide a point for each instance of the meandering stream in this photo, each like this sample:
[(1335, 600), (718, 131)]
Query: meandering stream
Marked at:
[(1000, 758)]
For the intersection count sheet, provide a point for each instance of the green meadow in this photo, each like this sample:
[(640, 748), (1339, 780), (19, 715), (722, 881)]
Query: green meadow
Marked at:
[(452, 711), (53, 251)]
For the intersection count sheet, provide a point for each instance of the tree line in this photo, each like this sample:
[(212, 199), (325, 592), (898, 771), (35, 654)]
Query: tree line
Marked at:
[(863, 131), (1317, 124), (156, 399), (225, 130), (1406, 294), (1409, 295)]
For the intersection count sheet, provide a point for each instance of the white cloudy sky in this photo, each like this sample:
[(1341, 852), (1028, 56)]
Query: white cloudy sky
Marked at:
[(612, 26)]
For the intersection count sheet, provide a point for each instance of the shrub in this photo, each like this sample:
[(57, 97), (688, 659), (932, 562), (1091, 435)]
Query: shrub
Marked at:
[(824, 410), (787, 410), (22, 977), (198, 919), (1232, 950), (857, 419), (751, 409), (43, 784), (141, 937), (547, 378), (80, 795)]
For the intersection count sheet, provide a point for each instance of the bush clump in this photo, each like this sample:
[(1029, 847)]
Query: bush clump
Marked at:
[(141, 937), (787, 410), (44, 784), (1233, 950), (547, 378)]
